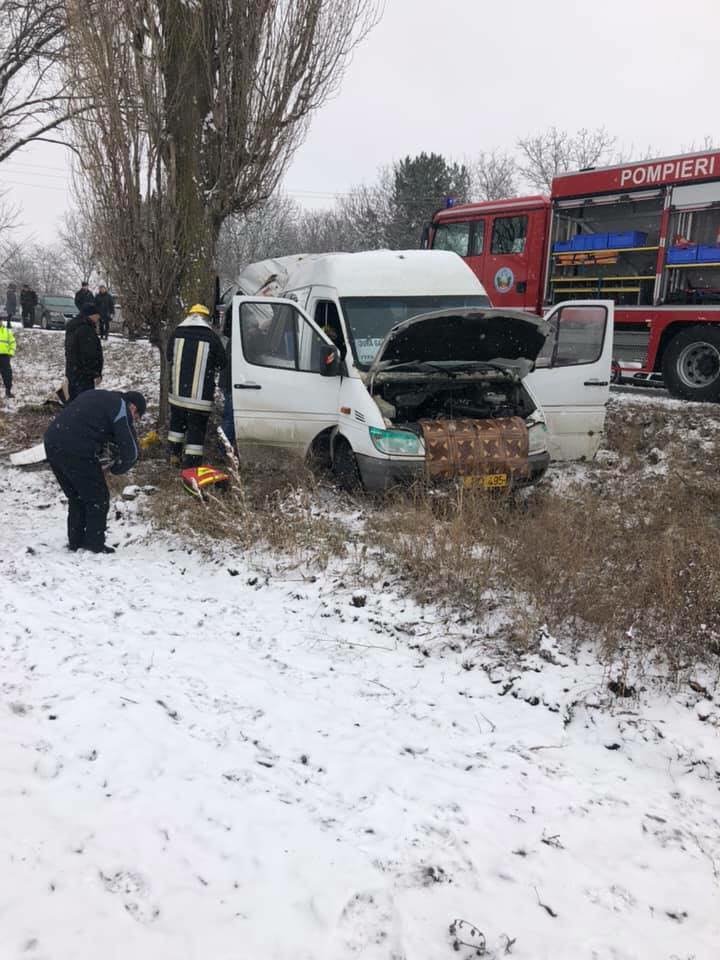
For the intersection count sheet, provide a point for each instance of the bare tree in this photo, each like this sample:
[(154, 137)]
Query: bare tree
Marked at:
[(546, 155), (494, 176), (33, 92), (270, 230), (51, 270), (80, 243), (19, 266), (368, 213), (196, 108)]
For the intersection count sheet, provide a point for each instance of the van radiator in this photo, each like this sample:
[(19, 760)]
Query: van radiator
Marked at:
[(476, 447)]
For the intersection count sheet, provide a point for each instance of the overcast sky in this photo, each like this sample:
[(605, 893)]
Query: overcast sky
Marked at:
[(460, 76)]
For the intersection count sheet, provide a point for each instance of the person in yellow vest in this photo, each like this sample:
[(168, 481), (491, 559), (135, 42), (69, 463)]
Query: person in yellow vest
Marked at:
[(7, 351)]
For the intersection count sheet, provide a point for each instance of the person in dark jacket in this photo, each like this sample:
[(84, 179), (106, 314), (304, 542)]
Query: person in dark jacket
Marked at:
[(83, 352), (11, 301), (73, 444), (84, 295), (195, 354), (28, 302), (106, 308)]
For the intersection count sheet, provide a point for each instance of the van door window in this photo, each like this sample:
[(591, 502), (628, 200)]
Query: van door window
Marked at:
[(454, 237), (268, 333), (509, 234), (576, 337), (310, 344), (328, 319)]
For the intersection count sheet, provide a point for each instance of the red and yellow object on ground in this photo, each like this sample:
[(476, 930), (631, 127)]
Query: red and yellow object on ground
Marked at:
[(196, 480)]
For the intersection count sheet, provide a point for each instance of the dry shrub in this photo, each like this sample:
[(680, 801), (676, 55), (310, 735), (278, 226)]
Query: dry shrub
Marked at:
[(639, 573), (271, 503)]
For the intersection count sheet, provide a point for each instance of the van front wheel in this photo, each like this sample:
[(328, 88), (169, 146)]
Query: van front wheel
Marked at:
[(345, 466)]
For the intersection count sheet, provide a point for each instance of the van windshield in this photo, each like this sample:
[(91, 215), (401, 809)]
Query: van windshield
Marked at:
[(370, 319)]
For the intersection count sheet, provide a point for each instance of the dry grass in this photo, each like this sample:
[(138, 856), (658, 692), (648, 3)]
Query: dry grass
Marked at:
[(639, 574), (274, 504)]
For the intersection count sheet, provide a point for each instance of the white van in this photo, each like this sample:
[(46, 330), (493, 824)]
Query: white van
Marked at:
[(361, 358)]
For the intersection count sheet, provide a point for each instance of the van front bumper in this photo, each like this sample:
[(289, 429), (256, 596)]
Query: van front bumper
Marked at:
[(378, 475)]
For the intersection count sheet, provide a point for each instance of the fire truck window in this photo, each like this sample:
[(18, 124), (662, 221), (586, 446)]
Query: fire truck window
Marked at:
[(509, 234), (477, 240), (454, 237), (580, 335)]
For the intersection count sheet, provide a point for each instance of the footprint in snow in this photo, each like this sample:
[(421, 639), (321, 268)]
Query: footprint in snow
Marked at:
[(368, 920), (133, 891)]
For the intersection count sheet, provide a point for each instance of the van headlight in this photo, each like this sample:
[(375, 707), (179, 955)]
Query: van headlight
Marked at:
[(537, 433), (398, 443)]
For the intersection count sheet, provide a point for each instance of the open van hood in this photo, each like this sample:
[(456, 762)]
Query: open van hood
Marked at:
[(505, 338)]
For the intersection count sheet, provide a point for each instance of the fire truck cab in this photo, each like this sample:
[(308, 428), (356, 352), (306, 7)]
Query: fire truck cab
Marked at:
[(646, 235)]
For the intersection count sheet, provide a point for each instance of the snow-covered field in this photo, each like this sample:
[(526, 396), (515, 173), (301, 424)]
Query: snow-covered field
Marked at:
[(207, 757)]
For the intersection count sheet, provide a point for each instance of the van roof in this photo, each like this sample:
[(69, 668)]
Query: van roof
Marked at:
[(371, 273)]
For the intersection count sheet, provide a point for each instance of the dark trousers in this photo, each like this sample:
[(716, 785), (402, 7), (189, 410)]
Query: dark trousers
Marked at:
[(104, 330), (28, 315), (83, 483), (228, 418), (6, 373), (76, 387), (187, 434)]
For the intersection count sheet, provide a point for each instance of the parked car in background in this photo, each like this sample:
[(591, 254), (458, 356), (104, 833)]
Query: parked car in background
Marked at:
[(121, 325), (52, 313)]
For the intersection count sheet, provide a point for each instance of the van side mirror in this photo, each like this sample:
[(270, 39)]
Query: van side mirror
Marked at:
[(329, 361)]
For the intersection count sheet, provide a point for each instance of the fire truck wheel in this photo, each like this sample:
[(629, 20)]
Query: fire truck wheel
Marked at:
[(691, 364)]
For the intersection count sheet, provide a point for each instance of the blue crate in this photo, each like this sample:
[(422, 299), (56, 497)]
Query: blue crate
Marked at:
[(682, 254), (597, 241), (563, 246), (590, 241), (631, 238), (706, 254)]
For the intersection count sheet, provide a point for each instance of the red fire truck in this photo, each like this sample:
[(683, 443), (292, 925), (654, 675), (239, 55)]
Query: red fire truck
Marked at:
[(646, 235)]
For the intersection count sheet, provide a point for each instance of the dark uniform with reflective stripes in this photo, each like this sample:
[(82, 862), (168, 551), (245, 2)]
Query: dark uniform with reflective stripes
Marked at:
[(73, 443), (195, 354)]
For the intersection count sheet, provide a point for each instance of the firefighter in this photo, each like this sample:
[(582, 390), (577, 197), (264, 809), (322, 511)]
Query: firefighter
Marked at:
[(195, 354)]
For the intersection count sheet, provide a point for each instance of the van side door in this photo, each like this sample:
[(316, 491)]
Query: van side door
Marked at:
[(571, 380), (280, 396)]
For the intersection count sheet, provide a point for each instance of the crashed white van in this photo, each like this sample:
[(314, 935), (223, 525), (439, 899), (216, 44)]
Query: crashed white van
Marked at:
[(393, 366)]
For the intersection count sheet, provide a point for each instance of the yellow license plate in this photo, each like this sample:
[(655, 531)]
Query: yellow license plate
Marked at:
[(489, 481)]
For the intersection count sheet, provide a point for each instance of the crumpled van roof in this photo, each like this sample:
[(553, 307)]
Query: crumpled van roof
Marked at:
[(370, 273)]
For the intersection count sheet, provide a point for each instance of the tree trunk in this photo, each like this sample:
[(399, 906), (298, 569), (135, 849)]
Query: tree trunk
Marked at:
[(164, 411)]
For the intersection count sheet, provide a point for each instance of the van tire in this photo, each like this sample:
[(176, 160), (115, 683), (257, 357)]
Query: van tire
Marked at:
[(345, 466), (691, 364)]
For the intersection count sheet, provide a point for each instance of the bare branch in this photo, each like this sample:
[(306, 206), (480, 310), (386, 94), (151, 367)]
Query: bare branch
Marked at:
[(32, 86), (554, 152), (494, 176)]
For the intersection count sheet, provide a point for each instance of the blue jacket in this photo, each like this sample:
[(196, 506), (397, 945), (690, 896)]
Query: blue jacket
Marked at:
[(93, 419)]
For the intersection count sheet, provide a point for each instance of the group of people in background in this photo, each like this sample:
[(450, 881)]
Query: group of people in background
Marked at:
[(104, 302), (93, 417), (28, 301)]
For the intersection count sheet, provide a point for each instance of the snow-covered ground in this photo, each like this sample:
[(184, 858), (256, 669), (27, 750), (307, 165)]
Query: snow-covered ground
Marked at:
[(207, 757)]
